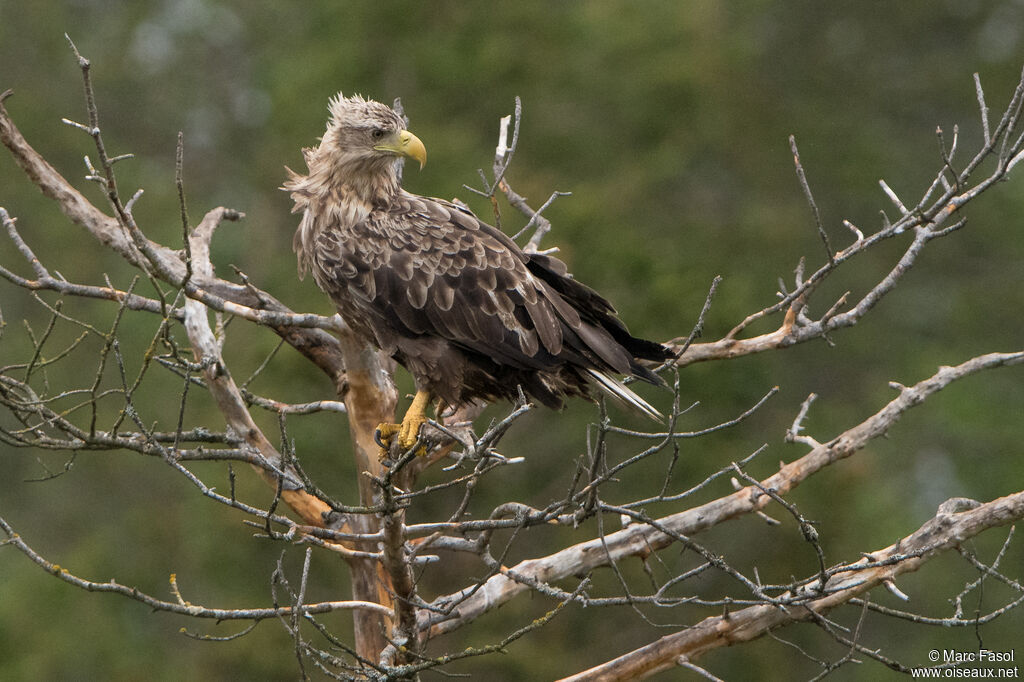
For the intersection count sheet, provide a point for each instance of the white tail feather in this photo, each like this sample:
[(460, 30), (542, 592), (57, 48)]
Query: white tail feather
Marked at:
[(622, 393)]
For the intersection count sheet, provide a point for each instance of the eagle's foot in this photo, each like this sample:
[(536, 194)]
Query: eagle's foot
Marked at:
[(383, 436), (408, 435), (408, 431)]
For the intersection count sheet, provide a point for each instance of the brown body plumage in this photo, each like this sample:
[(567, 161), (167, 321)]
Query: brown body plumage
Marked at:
[(452, 299)]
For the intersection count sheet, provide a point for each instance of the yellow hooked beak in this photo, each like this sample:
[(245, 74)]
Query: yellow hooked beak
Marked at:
[(405, 144)]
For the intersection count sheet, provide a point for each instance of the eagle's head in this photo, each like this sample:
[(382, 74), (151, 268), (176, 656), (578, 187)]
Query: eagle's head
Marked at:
[(356, 168), (367, 137), (360, 155)]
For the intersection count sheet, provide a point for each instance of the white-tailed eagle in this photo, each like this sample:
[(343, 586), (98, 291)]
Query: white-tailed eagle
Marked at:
[(455, 301)]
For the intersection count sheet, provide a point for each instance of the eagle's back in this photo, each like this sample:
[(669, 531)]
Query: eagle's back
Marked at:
[(461, 306)]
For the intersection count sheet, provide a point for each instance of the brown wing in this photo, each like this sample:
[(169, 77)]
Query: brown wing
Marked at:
[(428, 268)]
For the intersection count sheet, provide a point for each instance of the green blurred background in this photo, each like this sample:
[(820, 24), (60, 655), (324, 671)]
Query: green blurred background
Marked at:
[(668, 122)]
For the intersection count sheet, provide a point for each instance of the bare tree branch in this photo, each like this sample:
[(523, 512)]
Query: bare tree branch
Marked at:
[(943, 532), (305, 332), (924, 221), (181, 606), (226, 393), (642, 539)]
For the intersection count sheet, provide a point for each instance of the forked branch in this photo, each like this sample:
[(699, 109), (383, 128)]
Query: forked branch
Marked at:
[(942, 533)]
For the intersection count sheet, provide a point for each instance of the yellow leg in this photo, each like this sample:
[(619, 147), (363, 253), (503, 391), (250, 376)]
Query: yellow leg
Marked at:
[(414, 418), (409, 430)]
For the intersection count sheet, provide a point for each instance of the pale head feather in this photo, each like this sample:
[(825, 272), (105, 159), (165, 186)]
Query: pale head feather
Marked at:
[(347, 176), (345, 161)]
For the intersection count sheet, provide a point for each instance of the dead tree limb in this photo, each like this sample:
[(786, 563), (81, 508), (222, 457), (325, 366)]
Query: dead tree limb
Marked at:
[(643, 538), (942, 533)]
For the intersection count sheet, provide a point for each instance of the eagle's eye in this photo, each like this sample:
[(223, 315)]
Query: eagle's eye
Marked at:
[(377, 133)]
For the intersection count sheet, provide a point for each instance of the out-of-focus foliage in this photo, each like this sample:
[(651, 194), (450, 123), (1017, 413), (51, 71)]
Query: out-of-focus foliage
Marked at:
[(668, 123)]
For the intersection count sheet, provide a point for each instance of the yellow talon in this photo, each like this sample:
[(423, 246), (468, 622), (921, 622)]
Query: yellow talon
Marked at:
[(384, 433), (408, 431)]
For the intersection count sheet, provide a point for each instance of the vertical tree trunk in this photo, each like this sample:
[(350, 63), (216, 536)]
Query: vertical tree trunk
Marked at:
[(370, 398)]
